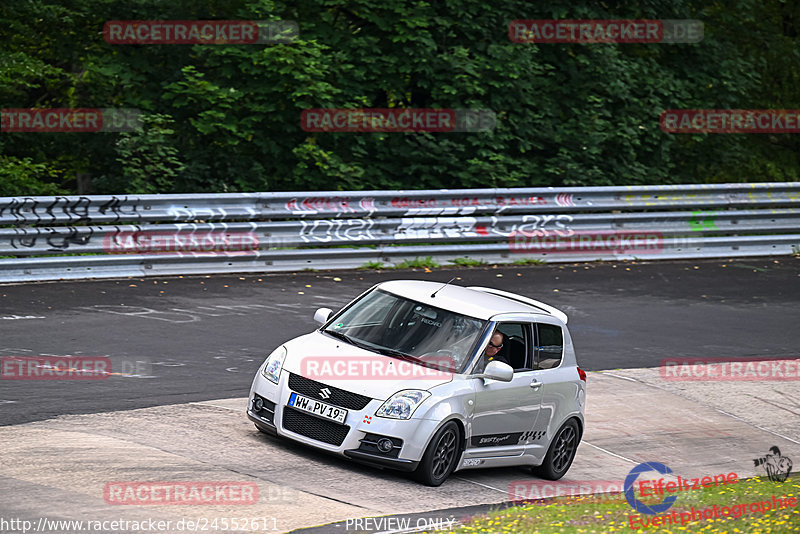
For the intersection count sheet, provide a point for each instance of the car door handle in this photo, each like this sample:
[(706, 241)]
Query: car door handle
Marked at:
[(536, 384)]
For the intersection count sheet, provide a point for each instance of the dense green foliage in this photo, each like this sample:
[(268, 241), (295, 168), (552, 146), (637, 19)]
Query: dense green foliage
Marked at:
[(226, 117)]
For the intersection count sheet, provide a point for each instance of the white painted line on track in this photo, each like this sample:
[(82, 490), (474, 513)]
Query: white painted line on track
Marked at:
[(611, 453), (723, 412), (482, 485), (758, 427), (619, 376)]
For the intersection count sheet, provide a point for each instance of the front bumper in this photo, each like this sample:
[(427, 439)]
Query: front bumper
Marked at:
[(351, 439), (261, 423), (381, 461)]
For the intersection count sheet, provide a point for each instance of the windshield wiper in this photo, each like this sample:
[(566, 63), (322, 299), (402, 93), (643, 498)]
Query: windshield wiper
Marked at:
[(396, 353), (343, 337)]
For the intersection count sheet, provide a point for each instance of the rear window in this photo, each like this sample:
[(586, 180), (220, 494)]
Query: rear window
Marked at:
[(550, 346)]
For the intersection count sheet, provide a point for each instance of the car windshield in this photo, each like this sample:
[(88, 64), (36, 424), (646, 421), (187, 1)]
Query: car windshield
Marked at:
[(403, 328)]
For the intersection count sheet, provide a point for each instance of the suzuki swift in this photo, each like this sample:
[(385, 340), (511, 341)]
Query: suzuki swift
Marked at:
[(430, 378)]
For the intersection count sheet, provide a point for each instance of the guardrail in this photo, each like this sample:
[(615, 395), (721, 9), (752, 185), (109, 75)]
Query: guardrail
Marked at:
[(52, 238)]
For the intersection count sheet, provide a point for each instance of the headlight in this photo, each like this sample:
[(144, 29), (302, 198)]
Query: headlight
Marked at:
[(272, 369), (402, 404)]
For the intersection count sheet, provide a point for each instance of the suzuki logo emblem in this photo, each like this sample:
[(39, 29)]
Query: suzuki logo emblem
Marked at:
[(325, 393)]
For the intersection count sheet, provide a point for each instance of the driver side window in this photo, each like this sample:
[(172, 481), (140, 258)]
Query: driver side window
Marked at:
[(517, 348)]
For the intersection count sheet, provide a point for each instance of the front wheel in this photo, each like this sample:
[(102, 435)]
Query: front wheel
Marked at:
[(561, 453), (440, 456)]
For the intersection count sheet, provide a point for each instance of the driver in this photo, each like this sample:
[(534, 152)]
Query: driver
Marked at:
[(494, 350)]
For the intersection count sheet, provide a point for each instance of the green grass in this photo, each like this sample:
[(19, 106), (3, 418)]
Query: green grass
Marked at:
[(529, 261), (468, 262), (373, 265), (417, 263), (612, 513)]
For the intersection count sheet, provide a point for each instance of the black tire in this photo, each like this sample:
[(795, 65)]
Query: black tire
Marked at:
[(440, 457), (561, 453)]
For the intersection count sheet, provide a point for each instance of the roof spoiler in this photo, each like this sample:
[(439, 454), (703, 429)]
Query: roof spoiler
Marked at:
[(519, 298)]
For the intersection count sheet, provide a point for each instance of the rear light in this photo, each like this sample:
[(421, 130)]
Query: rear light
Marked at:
[(582, 374)]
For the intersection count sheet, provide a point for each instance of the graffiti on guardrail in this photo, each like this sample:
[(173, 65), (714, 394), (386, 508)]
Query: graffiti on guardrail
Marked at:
[(419, 228), (465, 227), (185, 213), (328, 230), (464, 205), (702, 220), (121, 208), (56, 239), (416, 206), (675, 221), (314, 205), (438, 228), (29, 210)]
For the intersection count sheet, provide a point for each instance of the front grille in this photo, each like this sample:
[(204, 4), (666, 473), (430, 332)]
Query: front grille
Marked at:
[(314, 427), (339, 397)]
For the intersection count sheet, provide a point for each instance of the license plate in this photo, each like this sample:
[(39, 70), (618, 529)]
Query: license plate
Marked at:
[(318, 408)]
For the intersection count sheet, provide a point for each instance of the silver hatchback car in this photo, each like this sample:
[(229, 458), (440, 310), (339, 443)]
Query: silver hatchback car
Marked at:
[(430, 378)]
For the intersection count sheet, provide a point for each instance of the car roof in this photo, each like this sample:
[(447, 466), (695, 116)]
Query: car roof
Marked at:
[(477, 302)]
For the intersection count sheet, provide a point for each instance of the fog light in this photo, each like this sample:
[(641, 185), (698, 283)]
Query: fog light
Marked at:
[(385, 445), (258, 404)]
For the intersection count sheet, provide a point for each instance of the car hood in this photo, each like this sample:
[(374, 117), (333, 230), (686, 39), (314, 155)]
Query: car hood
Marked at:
[(337, 363)]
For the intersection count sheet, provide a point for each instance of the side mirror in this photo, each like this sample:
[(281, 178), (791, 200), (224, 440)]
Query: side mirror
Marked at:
[(497, 371), (322, 315)]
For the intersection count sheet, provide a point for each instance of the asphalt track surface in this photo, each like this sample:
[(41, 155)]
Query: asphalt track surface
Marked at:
[(178, 340)]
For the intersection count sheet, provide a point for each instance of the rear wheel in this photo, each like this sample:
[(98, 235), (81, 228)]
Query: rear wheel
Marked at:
[(440, 456), (561, 453)]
